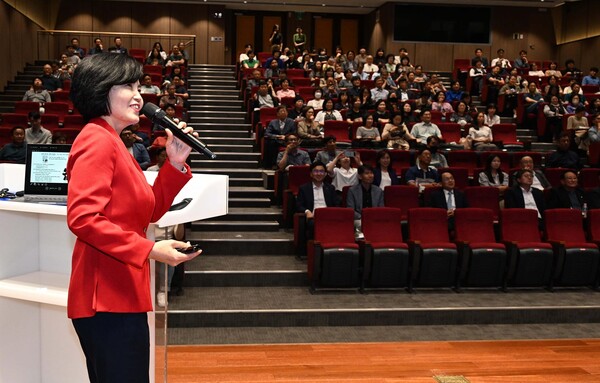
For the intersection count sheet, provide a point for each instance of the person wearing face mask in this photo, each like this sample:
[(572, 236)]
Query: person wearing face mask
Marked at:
[(317, 102), (438, 160)]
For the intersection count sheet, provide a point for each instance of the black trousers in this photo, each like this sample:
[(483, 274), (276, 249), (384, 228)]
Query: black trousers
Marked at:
[(116, 347)]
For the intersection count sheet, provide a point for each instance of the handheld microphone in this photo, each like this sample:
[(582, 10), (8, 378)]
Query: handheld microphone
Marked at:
[(158, 116)]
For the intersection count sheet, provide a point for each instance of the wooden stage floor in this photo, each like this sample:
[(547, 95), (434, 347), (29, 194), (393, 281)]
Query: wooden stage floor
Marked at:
[(572, 361)]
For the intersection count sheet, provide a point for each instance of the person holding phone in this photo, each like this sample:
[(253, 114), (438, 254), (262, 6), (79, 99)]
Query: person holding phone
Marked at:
[(345, 174), (109, 290)]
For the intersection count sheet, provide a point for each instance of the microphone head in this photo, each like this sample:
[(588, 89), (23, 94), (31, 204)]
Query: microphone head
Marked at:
[(150, 110)]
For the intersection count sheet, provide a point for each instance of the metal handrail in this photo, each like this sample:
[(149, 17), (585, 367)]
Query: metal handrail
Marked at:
[(56, 51)]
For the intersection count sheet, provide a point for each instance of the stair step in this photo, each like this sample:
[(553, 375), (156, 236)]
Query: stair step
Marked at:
[(250, 214), (249, 202), (196, 102), (242, 244), (231, 172), (235, 127), (245, 182), (222, 133), (252, 271), (227, 156), (262, 226), (249, 192), (219, 164), (199, 113), (232, 140)]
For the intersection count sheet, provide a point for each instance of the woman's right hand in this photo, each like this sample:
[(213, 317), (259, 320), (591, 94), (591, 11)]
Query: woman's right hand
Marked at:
[(166, 252)]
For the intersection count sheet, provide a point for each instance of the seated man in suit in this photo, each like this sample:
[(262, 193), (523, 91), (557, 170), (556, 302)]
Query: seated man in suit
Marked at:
[(540, 181), (275, 135), (568, 195), (448, 197), (363, 195), (524, 195), (314, 195)]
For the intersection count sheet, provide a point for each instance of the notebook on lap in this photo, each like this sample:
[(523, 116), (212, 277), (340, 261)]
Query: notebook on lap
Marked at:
[(46, 173)]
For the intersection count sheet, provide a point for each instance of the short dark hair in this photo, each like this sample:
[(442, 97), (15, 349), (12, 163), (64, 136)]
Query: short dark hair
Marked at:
[(326, 139), (281, 107), (15, 128), (594, 69), (564, 174), (431, 138), (95, 76), (520, 173), (35, 115), (317, 163), (363, 168)]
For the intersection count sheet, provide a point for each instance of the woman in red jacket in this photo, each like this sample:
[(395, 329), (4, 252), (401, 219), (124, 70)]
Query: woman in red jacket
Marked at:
[(110, 206)]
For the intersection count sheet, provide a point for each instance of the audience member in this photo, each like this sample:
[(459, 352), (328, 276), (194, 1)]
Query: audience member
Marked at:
[(535, 71), (571, 70), (175, 58), (170, 97), (421, 130), (309, 130), (554, 112), (49, 81), (455, 92), (396, 133), (384, 173), (37, 134), (501, 61), (291, 155), (363, 195), (461, 116), (137, 150), (477, 74), (314, 195), (329, 153), (16, 150), (37, 92), (76, 48), (59, 138), (161, 157), (98, 48), (147, 87), (579, 127), (118, 47), (442, 105), (317, 101), (156, 57), (495, 82), (275, 134), (591, 79), (480, 135), (532, 98), (563, 157), (183, 52), (297, 111), (522, 62), (492, 175), (568, 195), (250, 61), (378, 93), (448, 197), (524, 196), (368, 132), (345, 174), (479, 56), (244, 55), (510, 92), (553, 70), (438, 160), (540, 181), (423, 174)]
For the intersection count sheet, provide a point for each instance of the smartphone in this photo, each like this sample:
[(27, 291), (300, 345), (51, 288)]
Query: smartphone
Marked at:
[(349, 153), (188, 250)]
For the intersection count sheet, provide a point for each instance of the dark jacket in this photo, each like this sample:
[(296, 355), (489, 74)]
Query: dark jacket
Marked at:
[(391, 172), (305, 200), (437, 198), (513, 198), (559, 198), (593, 198), (289, 126)]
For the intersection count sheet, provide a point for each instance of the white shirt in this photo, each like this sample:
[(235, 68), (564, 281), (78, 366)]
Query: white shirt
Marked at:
[(385, 180), (530, 201), (536, 183), (342, 177), (318, 196), (370, 68)]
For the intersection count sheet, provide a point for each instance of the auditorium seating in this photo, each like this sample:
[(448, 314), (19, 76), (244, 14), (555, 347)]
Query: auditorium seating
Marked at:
[(386, 255), (333, 256), (482, 260), (577, 261)]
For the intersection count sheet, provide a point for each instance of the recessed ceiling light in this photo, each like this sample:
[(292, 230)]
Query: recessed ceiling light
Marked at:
[(323, 4)]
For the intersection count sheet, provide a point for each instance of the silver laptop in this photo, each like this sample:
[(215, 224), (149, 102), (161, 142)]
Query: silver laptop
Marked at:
[(46, 173)]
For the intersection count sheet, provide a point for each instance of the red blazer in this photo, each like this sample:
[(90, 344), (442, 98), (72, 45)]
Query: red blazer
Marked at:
[(109, 207)]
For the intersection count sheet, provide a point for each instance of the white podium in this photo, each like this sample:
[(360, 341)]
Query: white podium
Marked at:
[(37, 340)]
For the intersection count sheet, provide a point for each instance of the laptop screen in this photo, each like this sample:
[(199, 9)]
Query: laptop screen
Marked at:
[(46, 169)]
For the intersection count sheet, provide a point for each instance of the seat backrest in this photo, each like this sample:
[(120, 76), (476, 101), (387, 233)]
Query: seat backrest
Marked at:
[(519, 225), (14, 119), (564, 225), (594, 225), (588, 177), (338, 129), (58, 108), (367, 156), (402, 197), (474, 224), (334, 224), (150, 97), (298, 175), (24, 107), (553, 175), (462, 159), (382, 224), (427, 225), (505, 132), (400, 158), (484, 197), (50, 121), (450, 131)]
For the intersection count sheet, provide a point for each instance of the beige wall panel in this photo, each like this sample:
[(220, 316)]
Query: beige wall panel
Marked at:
[(267, 28), (349, 34), (216, 28), (244, 32), (152, 18), (324, 34), (569, 51), (435, 57), (575, 21)]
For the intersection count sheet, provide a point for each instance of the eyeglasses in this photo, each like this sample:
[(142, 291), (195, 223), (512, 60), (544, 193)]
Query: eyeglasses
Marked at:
[(318, 171)]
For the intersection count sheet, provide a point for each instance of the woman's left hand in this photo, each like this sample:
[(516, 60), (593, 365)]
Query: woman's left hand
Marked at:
[(177, 150)]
